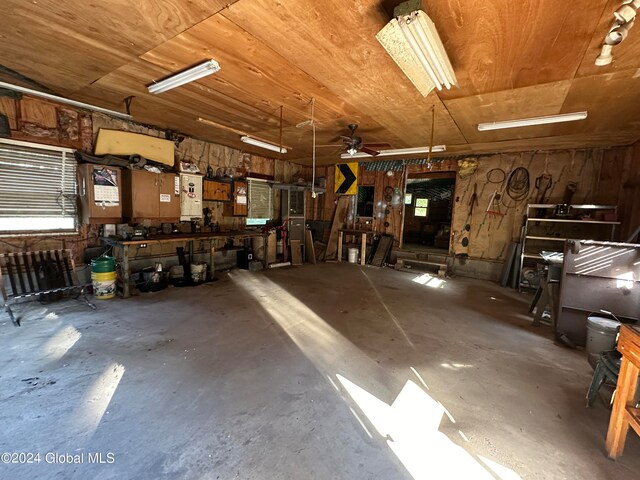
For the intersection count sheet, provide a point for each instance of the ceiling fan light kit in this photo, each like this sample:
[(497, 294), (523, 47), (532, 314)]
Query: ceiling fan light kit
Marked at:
[(527, 122), (398, 151), (261, 144), (186, 76), (412, 41)]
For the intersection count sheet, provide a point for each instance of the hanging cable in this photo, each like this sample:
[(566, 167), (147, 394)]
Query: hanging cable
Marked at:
[(313, 155), (518, 184), (433, 125), (496, 175)]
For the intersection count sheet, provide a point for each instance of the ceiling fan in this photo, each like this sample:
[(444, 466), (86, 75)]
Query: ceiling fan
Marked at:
[(352, 144)]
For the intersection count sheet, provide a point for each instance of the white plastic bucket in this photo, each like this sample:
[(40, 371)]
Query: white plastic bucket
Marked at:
[(352, 255), (601, 334)]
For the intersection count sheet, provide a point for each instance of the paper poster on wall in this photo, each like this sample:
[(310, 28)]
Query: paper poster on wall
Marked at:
[(105, 186), (165, 198), (177, 185), (241, 199)]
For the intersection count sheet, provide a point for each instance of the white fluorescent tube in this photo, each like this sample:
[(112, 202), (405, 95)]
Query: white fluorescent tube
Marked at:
[(56, 98), (261, 144), (422, 35), (408, 35), (189, 75), (526, 122), (395, 152)]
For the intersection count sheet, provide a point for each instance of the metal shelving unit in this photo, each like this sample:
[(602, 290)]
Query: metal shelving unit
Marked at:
[(533, 242)]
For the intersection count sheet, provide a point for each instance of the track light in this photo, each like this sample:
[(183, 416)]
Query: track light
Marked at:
[(526, 122), (186, 76), (263, 144), (396, 152), (623, 20)]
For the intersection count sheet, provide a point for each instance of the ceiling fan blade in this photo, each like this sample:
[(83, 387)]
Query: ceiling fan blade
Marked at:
[(369, 151), (377, 145)]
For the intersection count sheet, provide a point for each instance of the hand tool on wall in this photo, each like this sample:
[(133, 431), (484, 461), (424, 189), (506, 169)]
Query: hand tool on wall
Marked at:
[(465, 234), (543, 185), (473, 200), (494, 204)]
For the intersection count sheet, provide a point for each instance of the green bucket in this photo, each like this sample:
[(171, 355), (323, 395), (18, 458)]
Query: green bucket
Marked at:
[(103, 265)]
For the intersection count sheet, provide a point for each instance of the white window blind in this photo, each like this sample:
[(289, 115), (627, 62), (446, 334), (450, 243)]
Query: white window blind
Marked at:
[(37, 188), (260, 200)]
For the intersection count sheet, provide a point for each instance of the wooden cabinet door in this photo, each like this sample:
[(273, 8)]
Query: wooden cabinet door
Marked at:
[(240, 198), (216, 191), (168, 201), (144, 194), (100, 193)]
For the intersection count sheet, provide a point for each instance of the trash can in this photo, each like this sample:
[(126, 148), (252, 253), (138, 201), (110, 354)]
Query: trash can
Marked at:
[(601, 333)]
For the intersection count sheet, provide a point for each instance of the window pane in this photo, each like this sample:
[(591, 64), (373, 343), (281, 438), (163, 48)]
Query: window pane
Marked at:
[(408, 198), (420, 212), (41, 224), (365, 201), (422, 202), (37, 188), (260, 201)]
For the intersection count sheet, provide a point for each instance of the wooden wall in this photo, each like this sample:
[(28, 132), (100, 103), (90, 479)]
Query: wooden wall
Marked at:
[(600, 175), (323, 207), (604, 176), (35, 120)]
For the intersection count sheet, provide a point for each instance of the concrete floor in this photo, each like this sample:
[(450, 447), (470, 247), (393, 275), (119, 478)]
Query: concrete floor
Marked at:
[(331, 372)]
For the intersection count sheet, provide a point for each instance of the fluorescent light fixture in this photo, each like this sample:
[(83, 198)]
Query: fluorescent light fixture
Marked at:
[(186, 76), (412, 40), (527, 122), (398, 151), (262, 144), (67, 101)]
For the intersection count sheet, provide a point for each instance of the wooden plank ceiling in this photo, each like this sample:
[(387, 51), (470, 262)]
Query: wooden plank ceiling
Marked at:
[(512, 60)]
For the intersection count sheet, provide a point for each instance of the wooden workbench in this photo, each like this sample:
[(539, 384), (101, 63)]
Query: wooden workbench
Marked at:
[(363, 246), (121, 248), (624, 412)]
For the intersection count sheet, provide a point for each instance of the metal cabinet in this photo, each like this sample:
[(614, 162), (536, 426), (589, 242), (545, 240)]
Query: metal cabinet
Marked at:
[(293, 210), (190, 197)]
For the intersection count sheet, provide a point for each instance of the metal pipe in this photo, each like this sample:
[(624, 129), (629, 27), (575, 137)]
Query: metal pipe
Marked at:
[(56, 98)]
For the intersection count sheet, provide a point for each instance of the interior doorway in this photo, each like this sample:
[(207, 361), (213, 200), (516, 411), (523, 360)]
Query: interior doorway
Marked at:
[(428, 211)]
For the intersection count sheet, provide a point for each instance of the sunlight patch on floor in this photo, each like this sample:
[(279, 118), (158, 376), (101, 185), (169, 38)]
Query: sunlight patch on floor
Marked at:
[(61, 342), (429, 281), (411, 428), (93, 405)]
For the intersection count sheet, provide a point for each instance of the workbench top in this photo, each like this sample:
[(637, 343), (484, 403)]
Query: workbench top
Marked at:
[(180, 237)]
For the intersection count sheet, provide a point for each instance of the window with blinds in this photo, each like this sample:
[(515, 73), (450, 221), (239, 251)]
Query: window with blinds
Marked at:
[(37, 188), (260, 208)]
